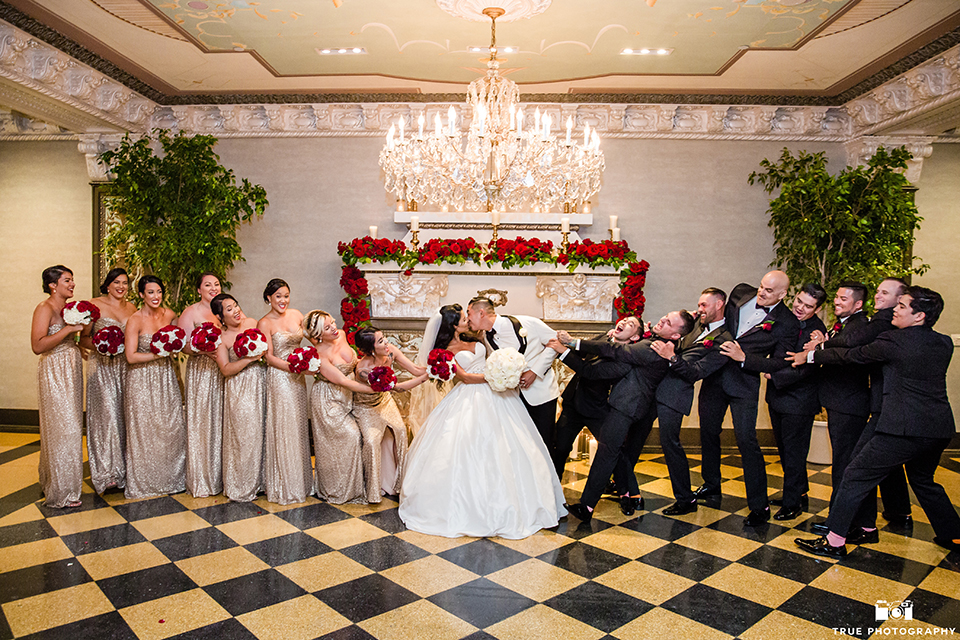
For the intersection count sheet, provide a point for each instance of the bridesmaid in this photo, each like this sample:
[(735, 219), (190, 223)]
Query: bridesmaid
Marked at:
[(287, 475), (244, 405), (152, 404), (106, 431), (60, 378), (203, 387), (382, 427)]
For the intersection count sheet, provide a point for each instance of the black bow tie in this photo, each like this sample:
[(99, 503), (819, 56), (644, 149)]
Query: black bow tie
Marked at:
[(765, 309)]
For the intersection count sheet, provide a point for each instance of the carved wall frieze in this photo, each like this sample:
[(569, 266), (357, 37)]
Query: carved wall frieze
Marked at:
[(577, 297), (405, 296)]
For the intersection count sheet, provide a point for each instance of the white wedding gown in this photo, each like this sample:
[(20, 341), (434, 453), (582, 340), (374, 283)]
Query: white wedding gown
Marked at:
[(478, 466)]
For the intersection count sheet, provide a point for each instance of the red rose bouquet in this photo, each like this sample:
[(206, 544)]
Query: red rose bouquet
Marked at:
[(250, 344), (82, 312), (441, 365), (205, 338), (109, 340), (382, 379), (168, 340), (304, 359)]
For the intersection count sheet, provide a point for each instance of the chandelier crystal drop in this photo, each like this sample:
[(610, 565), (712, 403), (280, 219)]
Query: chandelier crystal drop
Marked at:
[(505, 162)]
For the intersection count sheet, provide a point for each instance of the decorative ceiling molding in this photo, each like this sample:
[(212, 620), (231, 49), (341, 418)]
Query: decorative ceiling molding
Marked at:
[(472, 10)]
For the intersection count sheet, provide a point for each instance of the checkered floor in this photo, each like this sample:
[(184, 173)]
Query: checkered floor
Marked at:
[(208, 568)]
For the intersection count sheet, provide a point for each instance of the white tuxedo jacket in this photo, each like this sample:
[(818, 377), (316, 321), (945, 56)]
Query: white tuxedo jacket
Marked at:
[(539, 358)]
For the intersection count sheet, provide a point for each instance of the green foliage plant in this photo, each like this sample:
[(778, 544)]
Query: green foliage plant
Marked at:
[(177, 212), (857, 225)]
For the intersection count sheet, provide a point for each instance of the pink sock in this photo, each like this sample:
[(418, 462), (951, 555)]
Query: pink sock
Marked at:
[(590, 509), (869, 530), (834, 540)]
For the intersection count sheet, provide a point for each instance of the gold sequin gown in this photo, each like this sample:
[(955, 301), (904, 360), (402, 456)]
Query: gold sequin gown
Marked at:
[(244, 413), (106, 430), (156, 427), (287, 475), (375, 413), (337, 441), (60, 395), (203, 387)]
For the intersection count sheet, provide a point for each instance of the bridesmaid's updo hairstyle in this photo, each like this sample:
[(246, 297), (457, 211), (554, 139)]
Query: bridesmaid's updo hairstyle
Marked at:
[(449, 319), (203, 275), (145, 280), (365, 340), (216, 305), (51, 276), (112, 275), (272, 287), (313, 323)]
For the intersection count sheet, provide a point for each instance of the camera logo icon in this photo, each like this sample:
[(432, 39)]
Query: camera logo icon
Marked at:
[(894, 610)]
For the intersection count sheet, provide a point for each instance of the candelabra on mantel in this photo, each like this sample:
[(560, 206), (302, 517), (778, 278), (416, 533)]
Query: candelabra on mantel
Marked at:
[(415, 231)]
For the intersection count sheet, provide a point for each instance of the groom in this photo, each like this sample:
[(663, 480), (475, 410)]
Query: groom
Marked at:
[(529, 336)]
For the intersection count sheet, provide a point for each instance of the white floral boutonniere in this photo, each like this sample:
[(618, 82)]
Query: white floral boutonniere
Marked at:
[(522, 333)]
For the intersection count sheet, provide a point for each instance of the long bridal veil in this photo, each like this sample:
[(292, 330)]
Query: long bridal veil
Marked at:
[(424, 397)]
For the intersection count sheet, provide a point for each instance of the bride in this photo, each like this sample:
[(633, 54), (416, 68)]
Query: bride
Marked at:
[(477, 467)]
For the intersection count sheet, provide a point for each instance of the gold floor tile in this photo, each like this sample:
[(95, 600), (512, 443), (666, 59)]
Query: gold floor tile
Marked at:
[(192, 503), (775, 470), (327, 570), (256, 529), (942, 581), (18, 474), (346, 533), (660, 624), (911, 548), (438, 544), (85, 521), (173, 615), (428, 576), (728, 472), (221, 565), (655, 469), (55, 608), (271, 507), (535, 545), (116, 498), (782, 626), (364, 509), (703, 516), (734, 488), (645, 582), (114, 562), (576, 486), (536, 579), (302, 618), (661, 487), (624, 542), (754, 585), (420, 619), (718, 543), (820, 491), (170, 525), (9, 440), (29, 513), (861, 586), (540, 621), (33, 553)]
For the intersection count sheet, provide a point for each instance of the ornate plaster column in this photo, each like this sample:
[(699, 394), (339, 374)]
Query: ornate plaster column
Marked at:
[(860, 149)]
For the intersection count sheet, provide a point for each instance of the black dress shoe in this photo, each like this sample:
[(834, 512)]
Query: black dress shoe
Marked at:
[(898, 520), (580, 512), (820, 528), (820, 547), (681, 508), (610, 489), (863, 537), (629, 505), (788, 513), (804, 501), (757, 517), (705, 492)]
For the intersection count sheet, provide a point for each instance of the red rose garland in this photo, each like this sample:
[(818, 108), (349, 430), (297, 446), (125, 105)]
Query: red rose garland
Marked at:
[(304, 359), (168, 340), (250, 344), (205, 338), (441, 365), (382, 379), (109, 340)]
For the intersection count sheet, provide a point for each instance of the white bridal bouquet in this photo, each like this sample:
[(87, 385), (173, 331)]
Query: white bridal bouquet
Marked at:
[(503, 369)]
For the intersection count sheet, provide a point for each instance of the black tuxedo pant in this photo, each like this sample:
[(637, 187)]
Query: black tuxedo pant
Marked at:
[(893, 488), (845, 430), (545, 418), (792, 433), (619, 434), (569, 425), (879, 456), (670, 421), (712, 408)]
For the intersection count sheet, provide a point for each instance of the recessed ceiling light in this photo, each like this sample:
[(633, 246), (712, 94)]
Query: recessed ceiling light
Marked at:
[(627, 51), (645, 52), (662, 52), (487, 49), (342, 51)]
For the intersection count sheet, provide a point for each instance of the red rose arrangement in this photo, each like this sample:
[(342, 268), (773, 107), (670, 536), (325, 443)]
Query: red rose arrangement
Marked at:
[(837, 326), (206, 338), (109, 340), (82, 312), (369, 249), (767, 325), (382, 379), (250, 344), (520, 252), (708, 343), (304, 359), (168, 340), (451, 251), (442, 367)]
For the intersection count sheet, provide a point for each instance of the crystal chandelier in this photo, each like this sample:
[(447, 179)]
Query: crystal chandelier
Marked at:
[(503, 165)]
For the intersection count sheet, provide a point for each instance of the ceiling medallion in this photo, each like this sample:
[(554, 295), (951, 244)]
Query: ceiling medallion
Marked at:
[(473, 9)]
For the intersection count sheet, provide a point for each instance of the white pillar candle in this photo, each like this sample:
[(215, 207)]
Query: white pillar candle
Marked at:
[(613, 222), (496, 217), (373, 231), (593, 449), (414, 223), (616, 234), (565, 225)]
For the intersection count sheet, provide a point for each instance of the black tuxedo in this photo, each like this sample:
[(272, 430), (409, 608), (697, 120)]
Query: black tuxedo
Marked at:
[(793, 402), (914, 428), (738, 387), (630, 399)]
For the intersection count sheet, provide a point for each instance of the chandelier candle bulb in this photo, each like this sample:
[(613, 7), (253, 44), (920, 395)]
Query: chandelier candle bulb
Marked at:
[(400, 123), (373, 232), (414, 223), (451, 114), (437, 124), (569, 128), (586, 135)]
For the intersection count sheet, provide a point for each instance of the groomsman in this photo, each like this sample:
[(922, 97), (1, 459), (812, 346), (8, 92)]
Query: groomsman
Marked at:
[(630, 399), (793, 403), (765, 331), (528, 335), (914, 428), (585, 396)]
